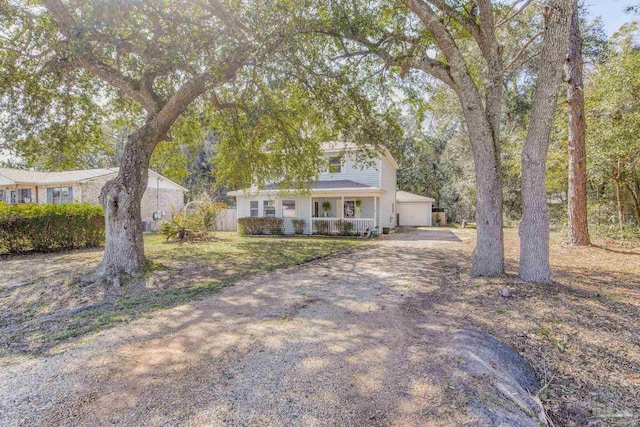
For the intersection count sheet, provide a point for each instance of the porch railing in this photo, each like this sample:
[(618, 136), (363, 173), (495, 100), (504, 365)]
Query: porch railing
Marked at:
[(339, 226)]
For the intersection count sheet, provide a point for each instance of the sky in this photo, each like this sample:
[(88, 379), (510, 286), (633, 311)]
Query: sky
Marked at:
[(612, 12)]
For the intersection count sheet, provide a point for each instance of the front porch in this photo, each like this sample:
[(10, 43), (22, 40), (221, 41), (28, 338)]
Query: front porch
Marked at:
[(348, 214)]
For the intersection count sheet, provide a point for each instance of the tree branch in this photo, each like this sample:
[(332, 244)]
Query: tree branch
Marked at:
[(453, 13), (89, 62), (508, 17), (524, 48)]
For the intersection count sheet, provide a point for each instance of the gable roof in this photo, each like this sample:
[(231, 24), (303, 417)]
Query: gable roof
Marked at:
[(337, 146), (20, 176), (406, 197)]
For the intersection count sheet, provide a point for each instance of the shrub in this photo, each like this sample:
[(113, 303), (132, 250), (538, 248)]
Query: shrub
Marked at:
[(260, 225), (322, 227), (49, 227), (298, 225), (345, 228), (198, 225), (276, 226)]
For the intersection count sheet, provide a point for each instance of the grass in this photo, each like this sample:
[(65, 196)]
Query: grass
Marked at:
[(177, 273)]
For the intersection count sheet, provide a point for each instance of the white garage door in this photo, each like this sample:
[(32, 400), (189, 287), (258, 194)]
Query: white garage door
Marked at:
[(415, 214)]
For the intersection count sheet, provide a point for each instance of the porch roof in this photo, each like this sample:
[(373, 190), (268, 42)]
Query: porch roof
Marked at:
[(338, 186)]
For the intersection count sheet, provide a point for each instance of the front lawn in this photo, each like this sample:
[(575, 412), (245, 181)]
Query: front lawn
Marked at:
[(36, 289)]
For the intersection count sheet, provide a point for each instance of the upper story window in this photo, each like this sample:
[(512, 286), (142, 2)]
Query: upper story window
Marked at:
[(335, 164), (288, 209), (253, 208), (269, 208), (59, 195)]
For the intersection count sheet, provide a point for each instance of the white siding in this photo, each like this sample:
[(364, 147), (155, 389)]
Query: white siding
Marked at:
[(302, 208), (387, 209), (354, 171)]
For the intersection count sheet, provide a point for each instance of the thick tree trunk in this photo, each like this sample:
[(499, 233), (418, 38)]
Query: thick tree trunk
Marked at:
[(578, 233), (488, 255), (534, 227), (120, 198)]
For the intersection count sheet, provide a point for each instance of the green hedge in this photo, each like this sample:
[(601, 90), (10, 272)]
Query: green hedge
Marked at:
[(260, 225), (47, 228)]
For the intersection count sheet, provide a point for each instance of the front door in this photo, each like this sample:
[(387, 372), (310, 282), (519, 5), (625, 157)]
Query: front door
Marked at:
[(349, 209)]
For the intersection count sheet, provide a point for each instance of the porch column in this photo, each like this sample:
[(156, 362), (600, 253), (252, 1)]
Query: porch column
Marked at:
[(310, 214), (375, 212), (342, 209)]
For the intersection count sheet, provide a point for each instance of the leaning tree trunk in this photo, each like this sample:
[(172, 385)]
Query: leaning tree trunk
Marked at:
[(534, 227), (578, 233), (120, 198)]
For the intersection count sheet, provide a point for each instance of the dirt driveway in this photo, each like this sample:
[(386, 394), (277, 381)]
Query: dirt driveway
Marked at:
[(354, 340), (342, 341)]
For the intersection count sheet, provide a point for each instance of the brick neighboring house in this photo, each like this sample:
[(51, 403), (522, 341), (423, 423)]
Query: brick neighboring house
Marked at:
[(162, 198)]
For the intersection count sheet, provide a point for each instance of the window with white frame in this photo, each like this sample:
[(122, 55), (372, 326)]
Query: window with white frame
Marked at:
[(253, 208), (59, 195), (335, 164), (288, 209), (269, 208), (3, 196)]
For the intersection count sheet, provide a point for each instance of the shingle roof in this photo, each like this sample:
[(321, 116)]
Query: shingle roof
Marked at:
[(19, 176), (327, 185), (404, 196), (33, 177)]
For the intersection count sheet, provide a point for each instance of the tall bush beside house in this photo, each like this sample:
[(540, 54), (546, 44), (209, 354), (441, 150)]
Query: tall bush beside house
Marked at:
[(46, 228), (198, 225)]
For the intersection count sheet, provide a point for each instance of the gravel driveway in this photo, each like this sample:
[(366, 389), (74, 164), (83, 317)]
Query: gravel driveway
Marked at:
[(350, 341)]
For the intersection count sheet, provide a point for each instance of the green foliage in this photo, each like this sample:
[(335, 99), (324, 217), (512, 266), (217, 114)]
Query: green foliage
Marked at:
[(612, 109), (253, 226), (50, 227), (198, 225), (298, 225)]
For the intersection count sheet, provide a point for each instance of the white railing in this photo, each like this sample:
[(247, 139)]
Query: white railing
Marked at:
[(336, 225)]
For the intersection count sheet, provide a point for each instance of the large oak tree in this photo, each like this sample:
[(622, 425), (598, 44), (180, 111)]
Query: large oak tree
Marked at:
[(459, 44), (225, 65)]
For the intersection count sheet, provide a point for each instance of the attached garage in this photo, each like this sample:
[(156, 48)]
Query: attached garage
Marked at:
[(413, 209)]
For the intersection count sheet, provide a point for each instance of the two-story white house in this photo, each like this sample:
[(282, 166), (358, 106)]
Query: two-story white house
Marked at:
[(363, 193)]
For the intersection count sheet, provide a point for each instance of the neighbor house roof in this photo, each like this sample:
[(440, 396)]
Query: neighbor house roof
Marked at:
[(25, 177), (337, 185), (337, 146), (406, 197), (20, 176)]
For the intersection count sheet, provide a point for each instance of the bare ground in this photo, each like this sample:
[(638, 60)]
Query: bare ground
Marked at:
[(358, 339)]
